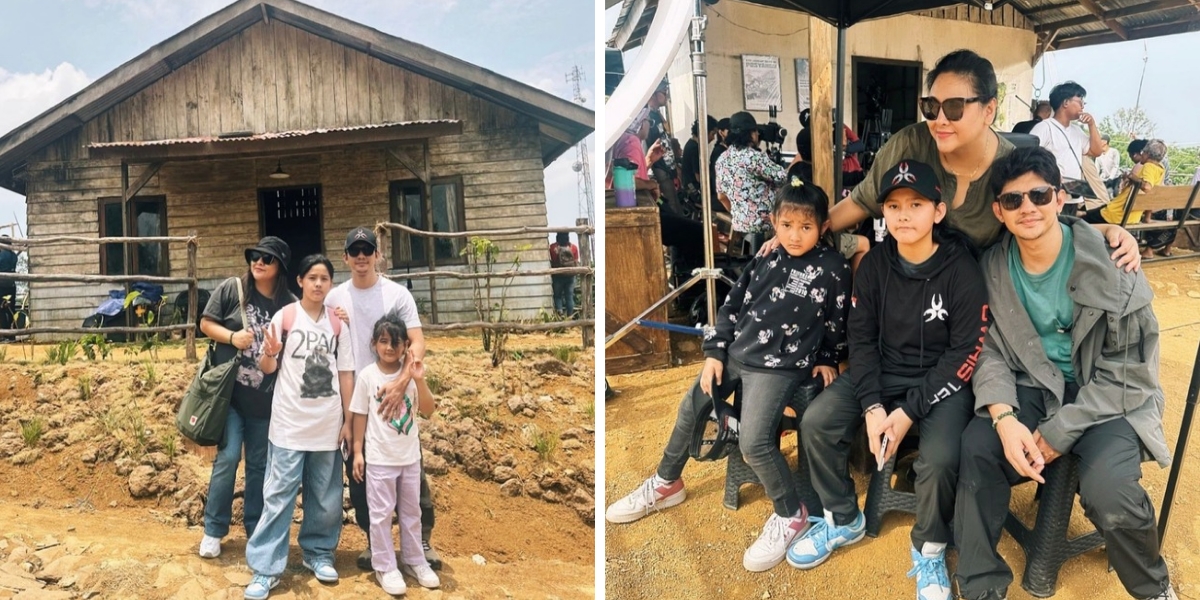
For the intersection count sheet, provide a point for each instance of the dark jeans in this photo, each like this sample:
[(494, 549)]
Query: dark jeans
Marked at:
[(1112, 497), (362, 515), (240, 432), (564, 294), (762, 396), (831, 424)]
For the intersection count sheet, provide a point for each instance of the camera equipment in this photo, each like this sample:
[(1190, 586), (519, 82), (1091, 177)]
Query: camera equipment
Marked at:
[(772, 134)]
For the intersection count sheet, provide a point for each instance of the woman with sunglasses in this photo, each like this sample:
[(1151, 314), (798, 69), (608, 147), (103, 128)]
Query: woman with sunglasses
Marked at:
[(957, 140), (265, 289)]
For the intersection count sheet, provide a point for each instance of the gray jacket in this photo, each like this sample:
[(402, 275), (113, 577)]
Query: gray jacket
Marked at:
[(1114, 348)]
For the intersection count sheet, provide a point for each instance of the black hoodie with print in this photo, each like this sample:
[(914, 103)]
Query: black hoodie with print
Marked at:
[(923, 321), (785, 312)]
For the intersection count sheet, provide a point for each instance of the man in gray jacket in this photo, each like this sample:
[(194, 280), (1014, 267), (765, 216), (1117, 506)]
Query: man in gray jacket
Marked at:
[(1069, 365)]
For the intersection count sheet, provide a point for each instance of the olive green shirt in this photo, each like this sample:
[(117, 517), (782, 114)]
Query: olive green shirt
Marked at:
[(974, 217)]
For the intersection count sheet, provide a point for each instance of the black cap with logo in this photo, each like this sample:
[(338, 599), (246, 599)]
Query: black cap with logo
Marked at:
[(914, 175), (361, 235)]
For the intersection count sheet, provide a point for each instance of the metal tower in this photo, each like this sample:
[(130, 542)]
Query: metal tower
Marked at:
[(582, 166)]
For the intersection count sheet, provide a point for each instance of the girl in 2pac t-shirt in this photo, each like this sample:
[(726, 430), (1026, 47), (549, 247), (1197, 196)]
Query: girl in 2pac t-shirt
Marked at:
[(392, 461), (313, 355)]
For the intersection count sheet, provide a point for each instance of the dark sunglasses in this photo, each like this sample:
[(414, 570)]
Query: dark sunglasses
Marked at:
[(358, 250), (1039, 196), (266, 259), (953, 107)]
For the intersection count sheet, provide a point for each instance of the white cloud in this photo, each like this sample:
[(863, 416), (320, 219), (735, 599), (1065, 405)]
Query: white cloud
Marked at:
[(26, 95)]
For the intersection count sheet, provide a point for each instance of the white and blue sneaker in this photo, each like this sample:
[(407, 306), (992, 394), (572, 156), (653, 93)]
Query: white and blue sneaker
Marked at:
[(929, 567), (260, 587), (822, 538), (323, 569)]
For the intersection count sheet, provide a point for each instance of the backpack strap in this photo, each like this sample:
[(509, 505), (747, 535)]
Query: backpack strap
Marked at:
[(289, 319)]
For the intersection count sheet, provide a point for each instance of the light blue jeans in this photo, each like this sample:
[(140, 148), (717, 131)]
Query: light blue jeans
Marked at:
[(321, 473), (239, 431)]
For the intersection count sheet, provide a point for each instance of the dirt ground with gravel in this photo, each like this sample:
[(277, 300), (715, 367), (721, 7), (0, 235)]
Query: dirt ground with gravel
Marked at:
[(107, 502), (695, 549)]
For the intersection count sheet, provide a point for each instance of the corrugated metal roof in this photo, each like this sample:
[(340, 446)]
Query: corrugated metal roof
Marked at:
[(273, 135)]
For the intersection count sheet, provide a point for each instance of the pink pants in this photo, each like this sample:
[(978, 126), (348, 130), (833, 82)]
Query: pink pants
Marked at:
[(392, 490)]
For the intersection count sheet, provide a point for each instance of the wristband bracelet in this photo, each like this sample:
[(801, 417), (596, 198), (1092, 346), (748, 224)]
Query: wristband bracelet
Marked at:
[(1007, 413), (231, 338), (872, 407)]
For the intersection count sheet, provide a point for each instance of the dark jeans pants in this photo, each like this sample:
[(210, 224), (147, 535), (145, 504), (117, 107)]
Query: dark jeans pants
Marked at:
[(362, 515), (831, 424), (763, 394), (564, 293), (1112, 498)]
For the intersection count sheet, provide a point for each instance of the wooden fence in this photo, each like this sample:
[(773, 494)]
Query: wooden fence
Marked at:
[(586, 321), (193, 315)]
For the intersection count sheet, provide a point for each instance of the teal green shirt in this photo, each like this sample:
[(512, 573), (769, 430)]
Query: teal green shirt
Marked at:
[(1046, 301)]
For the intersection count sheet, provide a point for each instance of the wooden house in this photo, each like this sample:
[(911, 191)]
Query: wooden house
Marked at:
[(270, 117)]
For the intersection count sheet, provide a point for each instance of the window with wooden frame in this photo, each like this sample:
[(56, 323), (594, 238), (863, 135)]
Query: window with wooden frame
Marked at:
[(408, 206), (147, 218)]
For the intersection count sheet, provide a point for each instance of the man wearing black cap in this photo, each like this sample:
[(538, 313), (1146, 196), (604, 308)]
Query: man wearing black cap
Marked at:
[(361, 301)]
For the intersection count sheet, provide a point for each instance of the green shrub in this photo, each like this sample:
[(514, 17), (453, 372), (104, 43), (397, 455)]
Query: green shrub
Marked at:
[(32, 430)]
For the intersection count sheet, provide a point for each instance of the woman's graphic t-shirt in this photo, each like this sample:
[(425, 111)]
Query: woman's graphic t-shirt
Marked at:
[(389, 443), (252, 389), (307, 411)]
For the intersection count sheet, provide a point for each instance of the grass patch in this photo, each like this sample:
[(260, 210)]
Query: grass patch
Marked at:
[(566, 354), (3, 354), (110, 421), (63, 352), (545, 443), (85, 387), (435, 382), (590, 410), (32, 430), (170, 444), (151, 373)]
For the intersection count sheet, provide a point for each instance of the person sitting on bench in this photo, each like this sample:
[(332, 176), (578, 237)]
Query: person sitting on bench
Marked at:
[(782, 325), (1069, 365)]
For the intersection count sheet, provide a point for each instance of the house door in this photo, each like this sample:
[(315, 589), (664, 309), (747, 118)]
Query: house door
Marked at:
[(294, 215)]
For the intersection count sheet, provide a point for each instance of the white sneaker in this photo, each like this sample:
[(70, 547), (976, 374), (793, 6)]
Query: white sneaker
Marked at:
[(423, 574), (646, 499), (771, 546), (392, 582), (210, 547)]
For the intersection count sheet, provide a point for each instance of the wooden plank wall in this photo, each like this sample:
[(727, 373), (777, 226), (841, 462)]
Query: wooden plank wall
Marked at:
[(270, 78), (1004, 15)]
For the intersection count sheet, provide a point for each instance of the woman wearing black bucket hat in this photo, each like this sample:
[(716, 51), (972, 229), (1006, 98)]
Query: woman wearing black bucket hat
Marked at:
[(746, 176), (264, 287)]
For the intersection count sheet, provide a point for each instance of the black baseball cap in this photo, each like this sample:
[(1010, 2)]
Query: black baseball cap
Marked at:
[(914, 175), (361, 235)]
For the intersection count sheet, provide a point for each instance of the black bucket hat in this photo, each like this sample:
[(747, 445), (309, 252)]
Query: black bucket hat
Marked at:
[(742, 122), (275, 247), (914, 175)]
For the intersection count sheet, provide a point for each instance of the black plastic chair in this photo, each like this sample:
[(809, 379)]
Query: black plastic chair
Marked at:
[(883, 498)]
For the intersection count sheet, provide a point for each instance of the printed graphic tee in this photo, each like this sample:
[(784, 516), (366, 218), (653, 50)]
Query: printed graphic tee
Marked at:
[(307, 411), (252, 388), (391, 443)]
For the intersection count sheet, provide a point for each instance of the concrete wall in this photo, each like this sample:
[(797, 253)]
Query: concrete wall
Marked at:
[(737, 28)]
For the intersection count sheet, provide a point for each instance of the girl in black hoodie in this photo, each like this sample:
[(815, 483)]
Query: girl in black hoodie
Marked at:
[(919, 312), (782, 325)]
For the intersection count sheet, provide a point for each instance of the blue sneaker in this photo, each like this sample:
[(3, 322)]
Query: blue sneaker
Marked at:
[(260, 587), (822, 538), (323, 569), (933, 581)]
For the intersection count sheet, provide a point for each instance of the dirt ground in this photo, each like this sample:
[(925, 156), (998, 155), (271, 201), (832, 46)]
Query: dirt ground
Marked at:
[(71, 526), (695, 549)]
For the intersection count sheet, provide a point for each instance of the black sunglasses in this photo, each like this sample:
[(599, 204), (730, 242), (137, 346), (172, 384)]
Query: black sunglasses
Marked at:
[(953, 107), (358, 250), (254, 255), (1039, 196)]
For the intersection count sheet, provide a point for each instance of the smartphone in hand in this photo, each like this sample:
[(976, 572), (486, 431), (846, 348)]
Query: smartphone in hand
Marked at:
[(345, 452), (879, 460)]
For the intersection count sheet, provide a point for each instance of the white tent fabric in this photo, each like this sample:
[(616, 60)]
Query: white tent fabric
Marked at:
[(662, 42)]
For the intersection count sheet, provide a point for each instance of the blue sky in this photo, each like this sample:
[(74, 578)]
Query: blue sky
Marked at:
[(1110, 74), (50, 49)]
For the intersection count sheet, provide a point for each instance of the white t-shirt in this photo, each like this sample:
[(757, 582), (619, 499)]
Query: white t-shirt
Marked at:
[(1068, 144), (394, 443), (306, 411), (365, 307)]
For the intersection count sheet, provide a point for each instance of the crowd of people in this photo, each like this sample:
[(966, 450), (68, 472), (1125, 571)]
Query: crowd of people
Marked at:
[(330, 381), (963, 326)]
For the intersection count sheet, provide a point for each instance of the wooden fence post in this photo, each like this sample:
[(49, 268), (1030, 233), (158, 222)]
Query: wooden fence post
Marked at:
[(585, 256), (193, 297)]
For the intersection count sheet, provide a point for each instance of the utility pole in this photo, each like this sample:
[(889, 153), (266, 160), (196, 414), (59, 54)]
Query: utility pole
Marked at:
[(582, 165)]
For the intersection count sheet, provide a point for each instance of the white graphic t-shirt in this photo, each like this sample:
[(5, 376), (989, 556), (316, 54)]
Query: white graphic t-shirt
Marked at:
[(389, 443), (307, 408)]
